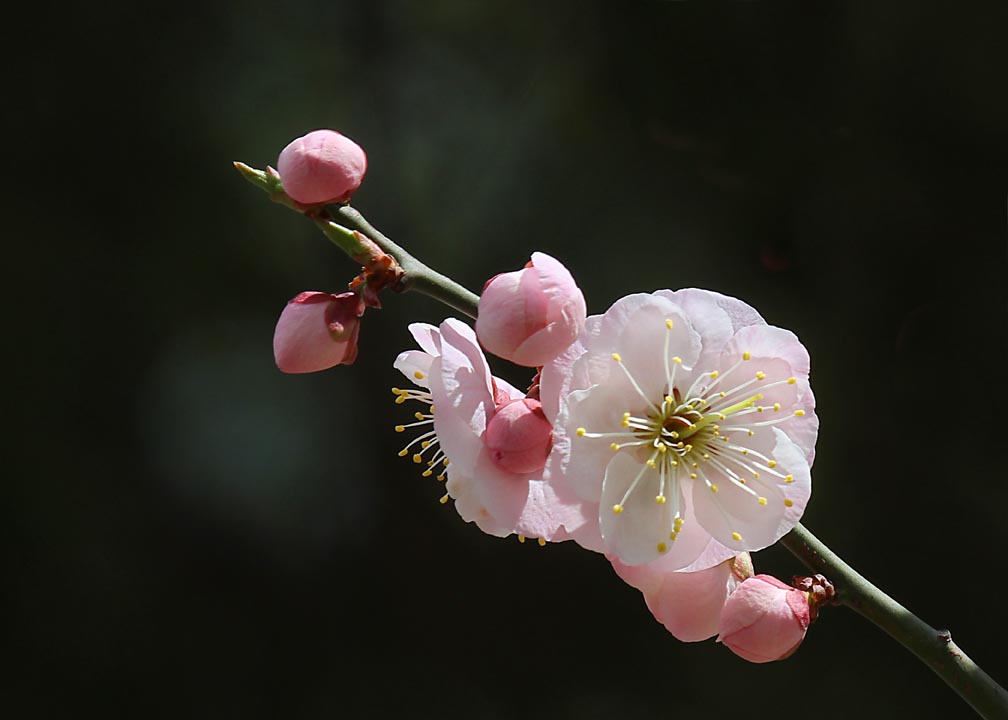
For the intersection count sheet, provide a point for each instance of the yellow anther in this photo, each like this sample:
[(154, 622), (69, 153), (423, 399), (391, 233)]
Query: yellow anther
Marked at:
[(713, 375), (776, 406), (721, 394), (692, 476), (762, 501), (581, 432), (759, 408), (651, 463), (679, 523), (677, 360), (751, 433), (521, 538), (417, 459), (614, 447), (425, 444), (792, 381), (400, 399), (418, 375), (788, 503), (418, 415), (789, 478), (427, 473), (662, 547), (431, 409), (440, 478), (668, 324), (400, 428), (444, 499), (736, 537), (617, 508), (746, 355), (674, 463), (445, 462), (397, 391), (542, 543), (744, 451), (616, 357), (672, 535), (742, 480), (662, 448), (660, 499), (713, 488), (760, 375), (430, 463), (755, 476), (799, 413), (705, 456), (772, 463)]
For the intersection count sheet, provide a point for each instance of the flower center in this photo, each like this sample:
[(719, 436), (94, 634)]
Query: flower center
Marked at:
[(696, 434)]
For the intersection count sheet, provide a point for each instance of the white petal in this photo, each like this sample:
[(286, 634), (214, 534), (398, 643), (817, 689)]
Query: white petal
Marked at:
[(427, 336), (736, 518), (415, 365), (634, 535)]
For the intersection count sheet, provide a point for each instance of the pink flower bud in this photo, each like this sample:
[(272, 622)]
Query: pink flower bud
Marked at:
[(531, 315), (322, 167), (764, 619), (317, 331), (519, 437)]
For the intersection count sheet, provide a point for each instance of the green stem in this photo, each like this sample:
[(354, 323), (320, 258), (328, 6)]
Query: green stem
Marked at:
[(418, 276), (933, 647)]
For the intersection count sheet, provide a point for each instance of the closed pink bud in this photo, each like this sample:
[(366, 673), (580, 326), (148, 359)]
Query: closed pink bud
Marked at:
[(316, 331), (519, 436), (531, 315), (764, 619), (322, 167)]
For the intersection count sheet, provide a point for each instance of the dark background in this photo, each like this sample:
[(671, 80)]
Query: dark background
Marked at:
[(192, 534)]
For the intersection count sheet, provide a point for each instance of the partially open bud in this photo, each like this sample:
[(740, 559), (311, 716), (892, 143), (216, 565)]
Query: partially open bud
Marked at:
[(531, 315), (322, 167), (519, 436), (764, 619), (316, 331)]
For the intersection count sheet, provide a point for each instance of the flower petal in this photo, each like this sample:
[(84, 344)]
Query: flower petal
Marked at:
[(688, 604), (416, 366), (734, 515)]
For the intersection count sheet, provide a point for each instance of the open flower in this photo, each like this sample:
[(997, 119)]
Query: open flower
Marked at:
[(492, 439), (687, 419)]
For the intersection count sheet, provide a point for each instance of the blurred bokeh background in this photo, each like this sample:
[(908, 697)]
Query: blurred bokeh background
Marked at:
[(192, 534)]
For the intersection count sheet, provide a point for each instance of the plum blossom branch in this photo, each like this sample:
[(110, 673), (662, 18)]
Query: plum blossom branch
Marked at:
[(934, 648), (342, 223), (417, 276)]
